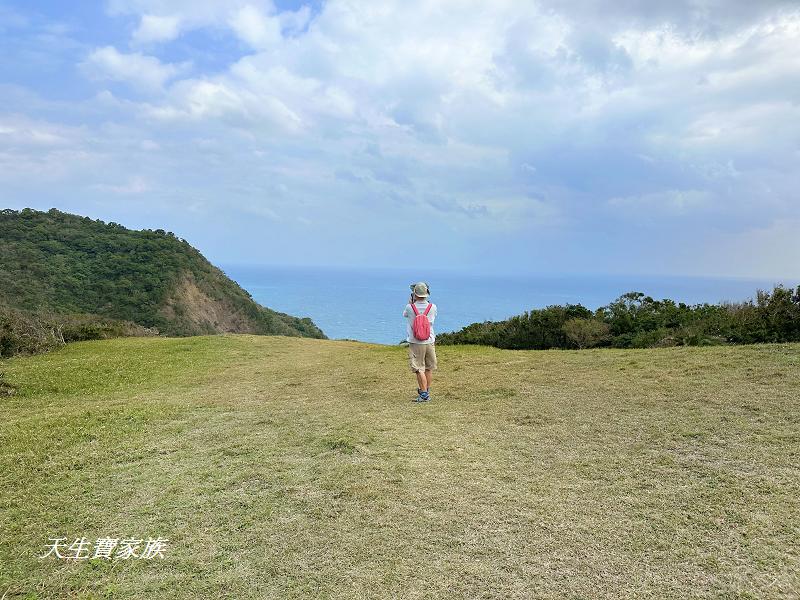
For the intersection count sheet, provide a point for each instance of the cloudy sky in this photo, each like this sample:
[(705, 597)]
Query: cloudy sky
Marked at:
[(574, 136)]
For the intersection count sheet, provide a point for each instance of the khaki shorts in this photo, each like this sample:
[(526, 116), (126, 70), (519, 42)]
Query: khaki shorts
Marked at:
[(422, 357)]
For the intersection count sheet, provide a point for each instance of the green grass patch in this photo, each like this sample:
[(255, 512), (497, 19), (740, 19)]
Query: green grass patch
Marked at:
[(297, 468)]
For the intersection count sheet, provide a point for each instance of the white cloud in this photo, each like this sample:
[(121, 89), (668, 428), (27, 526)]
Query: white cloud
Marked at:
[(139, 70), (205, 99), (295, 21), (19, 131), (36, 151), (255, 28), (661, 203), (501, 116), (156, 28), (134, 185), (256, 22)]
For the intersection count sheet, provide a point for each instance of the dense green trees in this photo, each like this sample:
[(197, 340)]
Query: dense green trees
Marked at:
[(66, 264), (635, 320), (537, 329)]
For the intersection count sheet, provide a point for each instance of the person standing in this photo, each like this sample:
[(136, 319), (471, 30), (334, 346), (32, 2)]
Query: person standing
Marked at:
[(420, 314)]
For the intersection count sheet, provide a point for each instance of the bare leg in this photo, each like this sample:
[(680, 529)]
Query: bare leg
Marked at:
[(421, 381), (428, 378)]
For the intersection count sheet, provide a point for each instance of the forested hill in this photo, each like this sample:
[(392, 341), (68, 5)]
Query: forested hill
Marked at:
[(64, 263)]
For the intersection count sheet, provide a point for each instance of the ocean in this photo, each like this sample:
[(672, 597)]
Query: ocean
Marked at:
[(367, 304)]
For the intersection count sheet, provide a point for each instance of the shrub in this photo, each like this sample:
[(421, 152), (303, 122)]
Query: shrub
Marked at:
[(26, 332), (635, 320), (586, 333)]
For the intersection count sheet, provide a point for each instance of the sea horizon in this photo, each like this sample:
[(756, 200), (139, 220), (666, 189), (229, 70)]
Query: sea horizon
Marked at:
[(366, 303)]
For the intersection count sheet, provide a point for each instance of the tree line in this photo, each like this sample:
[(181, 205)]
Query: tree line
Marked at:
[(635, 320)]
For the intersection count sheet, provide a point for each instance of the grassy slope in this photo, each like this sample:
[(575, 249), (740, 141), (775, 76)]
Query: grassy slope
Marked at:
[(284, 467)]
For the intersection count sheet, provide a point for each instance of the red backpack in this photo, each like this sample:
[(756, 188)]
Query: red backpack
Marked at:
[(421, 325)]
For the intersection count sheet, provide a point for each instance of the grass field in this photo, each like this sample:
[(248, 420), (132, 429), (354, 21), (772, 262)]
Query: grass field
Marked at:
[(294, 468)]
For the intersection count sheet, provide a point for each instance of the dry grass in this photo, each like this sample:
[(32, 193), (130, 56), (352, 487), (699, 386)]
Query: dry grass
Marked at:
[(293, 468)]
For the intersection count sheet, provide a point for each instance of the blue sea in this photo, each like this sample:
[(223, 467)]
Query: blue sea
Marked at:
[(367, 304)]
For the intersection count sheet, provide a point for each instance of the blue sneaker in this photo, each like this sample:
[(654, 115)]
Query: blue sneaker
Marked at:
[(423, 397)]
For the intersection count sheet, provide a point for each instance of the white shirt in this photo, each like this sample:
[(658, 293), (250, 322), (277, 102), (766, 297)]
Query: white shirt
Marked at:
[(408, 313)]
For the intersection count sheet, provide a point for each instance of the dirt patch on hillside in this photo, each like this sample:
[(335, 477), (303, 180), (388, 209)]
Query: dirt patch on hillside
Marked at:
[(190, 304)]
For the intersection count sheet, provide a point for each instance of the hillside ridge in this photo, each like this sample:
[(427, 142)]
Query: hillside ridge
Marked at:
[(64, 263)]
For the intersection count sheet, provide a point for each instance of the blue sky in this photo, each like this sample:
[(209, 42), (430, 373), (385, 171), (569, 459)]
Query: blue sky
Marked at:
[(567, 136)]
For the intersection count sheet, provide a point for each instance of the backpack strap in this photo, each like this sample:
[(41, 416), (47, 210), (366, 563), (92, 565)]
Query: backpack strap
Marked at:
[(427, 310), (414, 308)]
